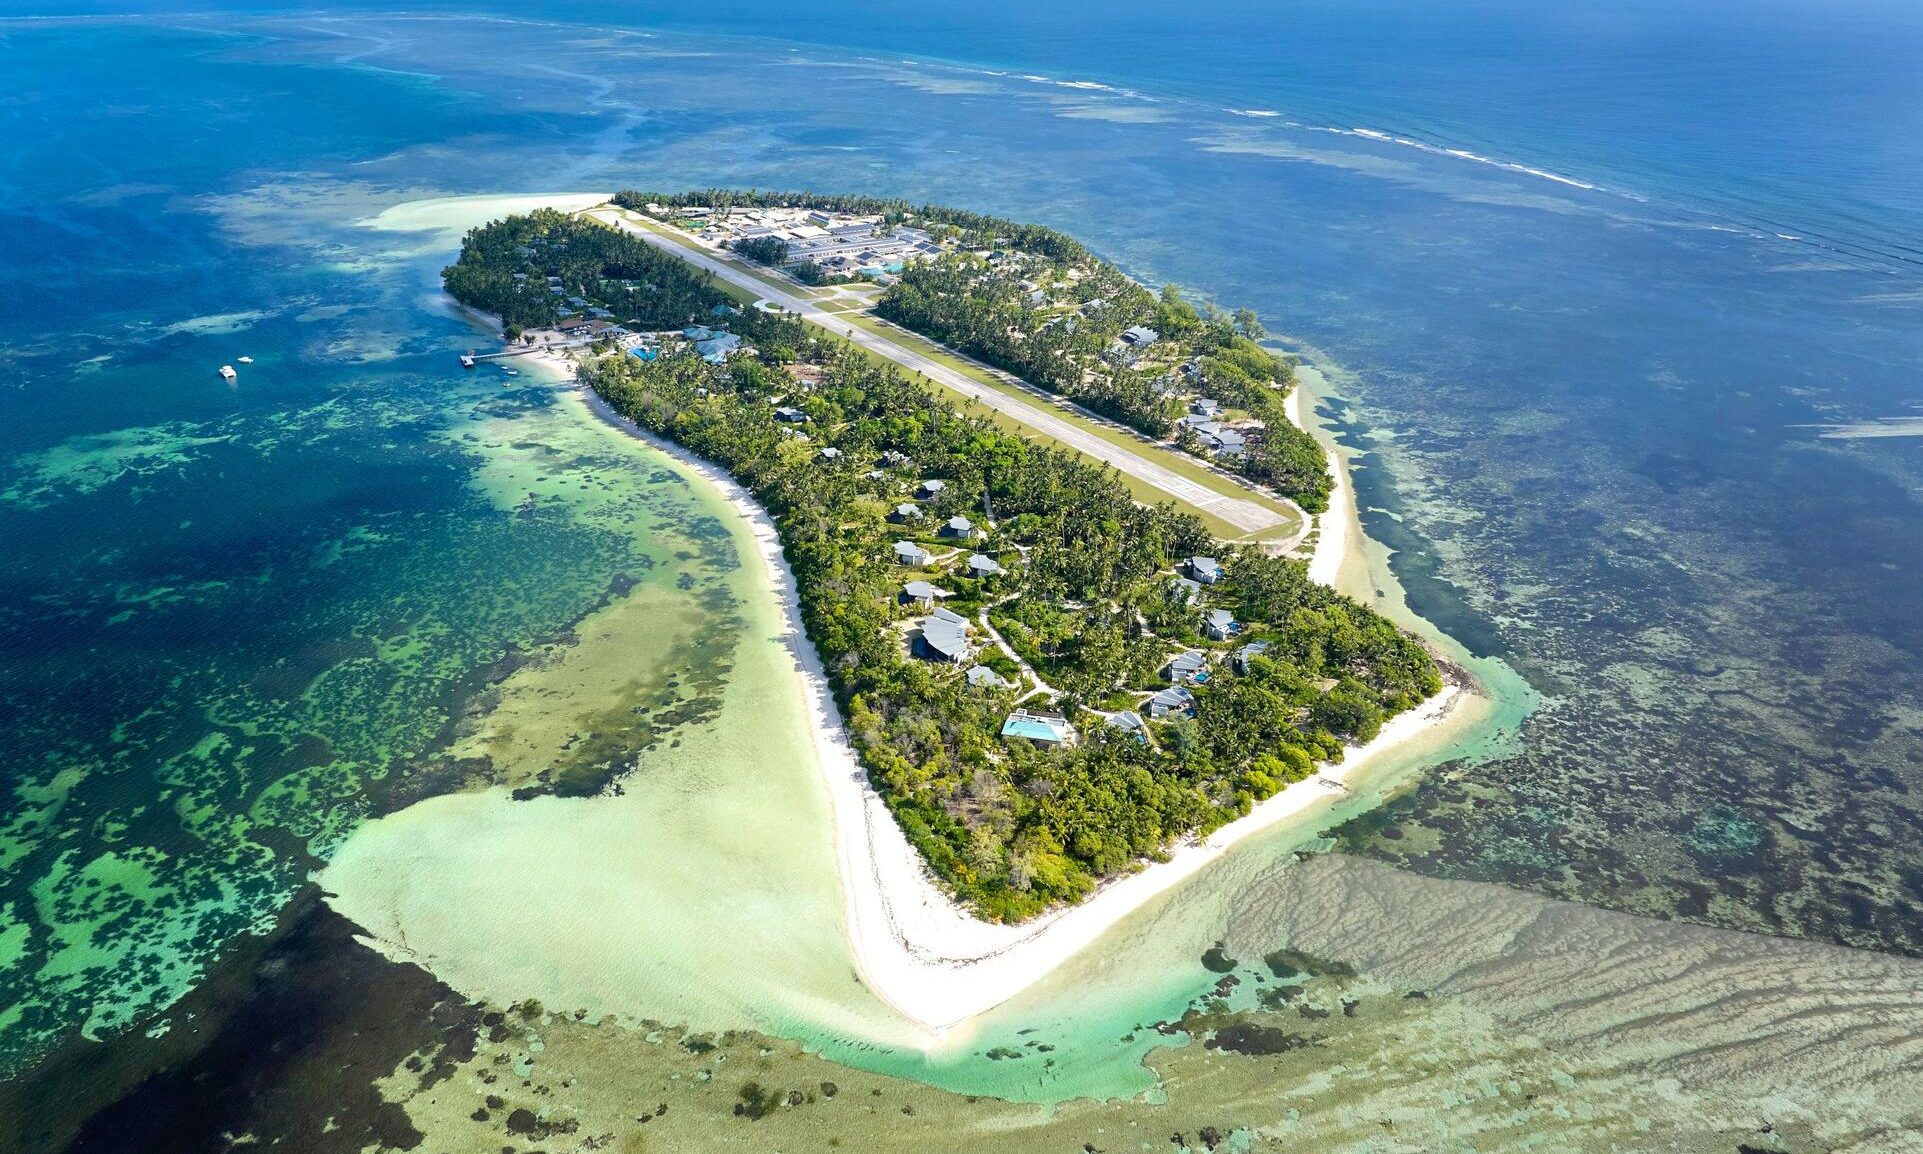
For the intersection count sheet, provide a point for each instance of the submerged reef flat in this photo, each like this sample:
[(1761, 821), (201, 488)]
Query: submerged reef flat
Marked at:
[(1350, 1006), (1405, 1013)]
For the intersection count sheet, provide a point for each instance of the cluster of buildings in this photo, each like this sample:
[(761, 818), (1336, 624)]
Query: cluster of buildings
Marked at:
[(1220, 439), (840, 244), (944, 636)]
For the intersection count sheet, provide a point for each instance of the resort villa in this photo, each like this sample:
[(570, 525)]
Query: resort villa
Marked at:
[(944, 637), (1042, 728), (1204, 570), (923, 593)]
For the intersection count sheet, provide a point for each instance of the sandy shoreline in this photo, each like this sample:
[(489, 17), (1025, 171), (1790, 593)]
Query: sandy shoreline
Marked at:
[(915, 948), (1333, 527)]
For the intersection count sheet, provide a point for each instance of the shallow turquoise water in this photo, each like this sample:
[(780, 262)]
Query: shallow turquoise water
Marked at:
[(237, 619)]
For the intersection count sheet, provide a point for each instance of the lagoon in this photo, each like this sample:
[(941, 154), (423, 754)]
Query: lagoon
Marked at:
[(240, 622)]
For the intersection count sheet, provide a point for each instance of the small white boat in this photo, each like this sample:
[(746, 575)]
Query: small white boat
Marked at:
[(246, 360), (228, 372), (512, 372)]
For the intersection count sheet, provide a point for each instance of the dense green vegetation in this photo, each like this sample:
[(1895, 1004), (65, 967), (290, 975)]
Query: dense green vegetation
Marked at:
[(1038, 304), (644, 287), (1030, 316), (972, 229), (763, 249), (1089, 604)]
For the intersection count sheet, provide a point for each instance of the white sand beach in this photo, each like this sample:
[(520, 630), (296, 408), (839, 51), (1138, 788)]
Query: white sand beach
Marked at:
[(417, 880), (1337, 527), (916, 949)]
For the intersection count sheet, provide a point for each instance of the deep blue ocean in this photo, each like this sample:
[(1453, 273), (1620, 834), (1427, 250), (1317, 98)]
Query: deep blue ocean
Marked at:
[(1624, 302)]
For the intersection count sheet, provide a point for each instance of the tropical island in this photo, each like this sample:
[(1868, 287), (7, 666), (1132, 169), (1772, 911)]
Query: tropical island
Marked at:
[(1048, 679)]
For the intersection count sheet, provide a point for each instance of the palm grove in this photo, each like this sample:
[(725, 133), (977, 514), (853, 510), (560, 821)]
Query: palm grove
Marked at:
[(1082, 588)]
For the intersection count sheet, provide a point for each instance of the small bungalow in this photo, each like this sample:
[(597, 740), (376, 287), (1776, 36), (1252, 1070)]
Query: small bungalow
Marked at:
[(1220, 624), (1042, 728), (788, 415), (943, 640), (923, 593), (1189, 666), (1206, 570), (909, 553), (982, 565), (830, 454), (1140, 336), (906, 511), (1204, 406), (717, 348), (1186, 591), (959, 527), (1130, 722), (1225, 443), (1174, 699), (1243, 655), (982, 677), (929, 490)]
